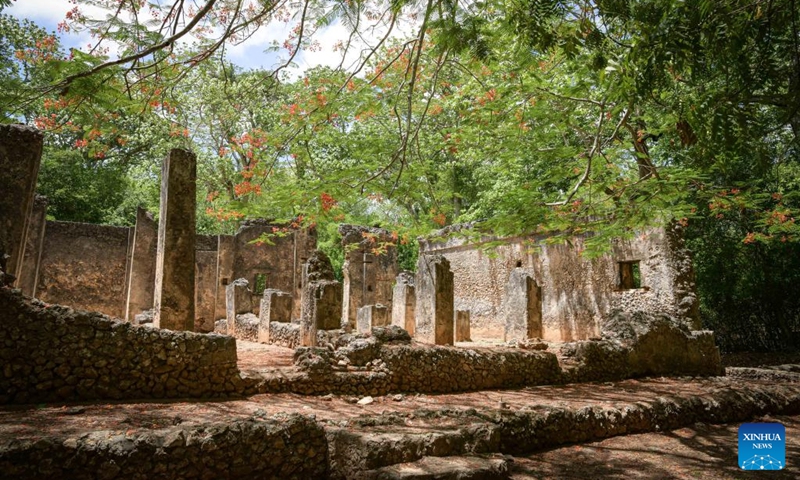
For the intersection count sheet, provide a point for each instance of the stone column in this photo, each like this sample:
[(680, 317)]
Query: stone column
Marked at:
[(404, 302), (434, 291), (173, 301), (308, 314), (276, 306), (142, 277), (20, 156), (372, 316), (205, 286), (321, 302), (29, 273), (522, 307), (226, 252), (462, 326), (305, 243), (238, 300)]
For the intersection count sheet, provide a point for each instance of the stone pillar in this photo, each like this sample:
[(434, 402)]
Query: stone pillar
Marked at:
[(238, 300), (321, 302), (308, 315), (305, 243), (142, 276), (29, 273), (226, 252), (522, 307), (205, 286), (462, 326), (20, 156), (369, 269), (434, 290), (372, 316), (404, 302), (173, 301), (276, 306)]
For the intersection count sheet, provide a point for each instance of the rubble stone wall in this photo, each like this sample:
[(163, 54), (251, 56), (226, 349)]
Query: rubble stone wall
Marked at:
[(290, 447), (576, 291), (53, 353)]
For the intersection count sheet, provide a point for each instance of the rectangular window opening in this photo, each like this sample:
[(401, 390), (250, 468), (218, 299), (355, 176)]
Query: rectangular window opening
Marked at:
[(260, 284), (630, 276)]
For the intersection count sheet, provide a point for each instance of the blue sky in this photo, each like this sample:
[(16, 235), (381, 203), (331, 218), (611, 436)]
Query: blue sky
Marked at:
[(251, 54)]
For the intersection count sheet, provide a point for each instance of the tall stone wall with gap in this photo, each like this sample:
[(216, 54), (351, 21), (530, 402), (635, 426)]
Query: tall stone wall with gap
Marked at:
[(369, 270), (279, 262), (111, 269), (85, 265), (205, 282), (576, 291), (53, 353)]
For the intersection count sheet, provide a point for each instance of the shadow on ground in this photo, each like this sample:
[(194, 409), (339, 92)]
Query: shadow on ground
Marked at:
[(700, 452)]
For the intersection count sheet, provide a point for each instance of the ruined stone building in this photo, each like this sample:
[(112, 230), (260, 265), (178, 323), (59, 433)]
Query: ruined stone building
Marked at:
[(564, 294), (155, 311), (525, 288)]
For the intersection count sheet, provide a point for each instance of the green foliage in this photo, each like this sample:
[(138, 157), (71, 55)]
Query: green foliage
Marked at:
[(82, 191)]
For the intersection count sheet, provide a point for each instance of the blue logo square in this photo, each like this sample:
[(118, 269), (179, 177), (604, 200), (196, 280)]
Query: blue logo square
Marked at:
[(762, 446)]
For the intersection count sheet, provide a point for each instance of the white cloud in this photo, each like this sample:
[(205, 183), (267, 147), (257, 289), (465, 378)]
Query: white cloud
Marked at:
[(249, 54), (46, 13)]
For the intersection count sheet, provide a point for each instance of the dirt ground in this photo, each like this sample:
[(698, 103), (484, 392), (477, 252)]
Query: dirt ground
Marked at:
[(700, 452), (30, 422), (258, 357)]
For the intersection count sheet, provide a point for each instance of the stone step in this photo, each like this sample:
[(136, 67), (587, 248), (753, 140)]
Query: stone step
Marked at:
[(373, 443), (443, 468)]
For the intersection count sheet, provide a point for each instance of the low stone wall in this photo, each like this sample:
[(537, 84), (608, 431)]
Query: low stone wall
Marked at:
[(361, 447), (292, 447), (639, 344), (284, 334), (54, 353), (447, 369), (386, 361)]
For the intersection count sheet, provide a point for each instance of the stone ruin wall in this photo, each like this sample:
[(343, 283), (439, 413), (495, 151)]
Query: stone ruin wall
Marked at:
[(85, 266), (54, 353), (576, 291), (370, 269), (281, 263), (110, 269)]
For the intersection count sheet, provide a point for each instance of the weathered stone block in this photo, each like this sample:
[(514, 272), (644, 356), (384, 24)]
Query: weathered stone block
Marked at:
[(372, 316), (434, 291), (238, 300), (173, 300), (522, 307), (20, 156), (321, 309), (205, 284), (276, 306), (226, 253), (462, 326), (29, 270), (404, 302), (142, 271)]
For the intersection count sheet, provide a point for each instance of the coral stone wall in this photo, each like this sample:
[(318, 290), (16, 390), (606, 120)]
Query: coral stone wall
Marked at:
[(292, 447), (576, 291), (52, 353), (85, 265)]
